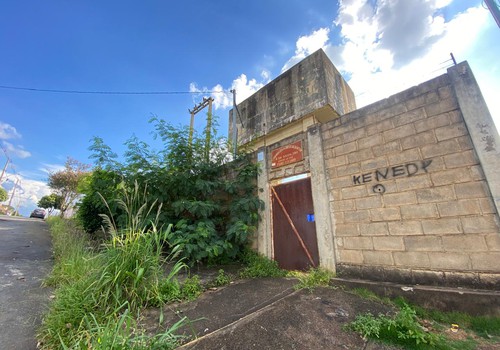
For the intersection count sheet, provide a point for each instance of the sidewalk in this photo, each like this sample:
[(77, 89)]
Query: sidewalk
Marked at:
[(271, 314)]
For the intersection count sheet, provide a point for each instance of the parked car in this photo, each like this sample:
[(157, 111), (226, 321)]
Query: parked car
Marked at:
[(38, 213)]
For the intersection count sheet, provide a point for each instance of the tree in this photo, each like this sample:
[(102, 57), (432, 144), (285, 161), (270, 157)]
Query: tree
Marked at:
[(100, 184), (65, 182), (211, 201), (50, 202), (3, 195)]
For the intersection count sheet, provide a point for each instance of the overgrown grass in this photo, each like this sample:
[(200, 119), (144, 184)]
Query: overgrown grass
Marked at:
[(99, 291), (403, 329), (222, 279), (417, 328), (191, 288), (72, 253), (487, 327), (121, 333), (315, 277), (369, 295), (258, 266)]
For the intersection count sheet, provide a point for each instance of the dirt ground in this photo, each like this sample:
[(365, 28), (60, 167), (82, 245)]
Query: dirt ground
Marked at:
[(269, 313)]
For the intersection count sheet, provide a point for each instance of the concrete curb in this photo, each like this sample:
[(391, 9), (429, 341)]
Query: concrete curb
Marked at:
[(471, 301)]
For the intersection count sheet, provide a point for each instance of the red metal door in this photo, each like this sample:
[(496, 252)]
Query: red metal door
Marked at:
[(294, 230)]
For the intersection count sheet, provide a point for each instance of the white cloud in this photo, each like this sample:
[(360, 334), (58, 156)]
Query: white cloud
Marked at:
[(400, 57), (27, 193), (244, 88), (7, 131), (306, 45), (51, 168), (15, 151), (390, 45)]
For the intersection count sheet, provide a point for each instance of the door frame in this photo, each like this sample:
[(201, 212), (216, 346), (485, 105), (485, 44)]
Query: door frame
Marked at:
[(281, 181)]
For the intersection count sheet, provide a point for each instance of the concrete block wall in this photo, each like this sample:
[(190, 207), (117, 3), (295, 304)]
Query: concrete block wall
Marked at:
[(408, 196)]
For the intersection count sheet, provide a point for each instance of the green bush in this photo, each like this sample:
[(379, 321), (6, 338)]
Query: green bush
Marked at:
[(169, 290), (191, 288), (402, 329), (209, 195), (222, 279), (100, 184)]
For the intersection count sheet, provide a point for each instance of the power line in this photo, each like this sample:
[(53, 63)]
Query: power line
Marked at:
[(113, 92)]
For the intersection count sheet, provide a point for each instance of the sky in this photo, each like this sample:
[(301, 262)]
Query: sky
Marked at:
[(381, 47)]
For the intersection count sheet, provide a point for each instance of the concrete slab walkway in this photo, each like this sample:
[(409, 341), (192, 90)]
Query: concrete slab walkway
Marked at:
[(270, 314)]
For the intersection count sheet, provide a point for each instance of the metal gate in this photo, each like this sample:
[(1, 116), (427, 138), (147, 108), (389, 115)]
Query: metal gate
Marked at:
[(294, 230)]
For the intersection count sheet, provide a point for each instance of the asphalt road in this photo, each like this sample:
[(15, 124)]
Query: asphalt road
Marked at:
[(25, 260)]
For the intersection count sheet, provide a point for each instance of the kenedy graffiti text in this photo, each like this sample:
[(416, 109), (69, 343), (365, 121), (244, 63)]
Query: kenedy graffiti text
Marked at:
[(408, 169)]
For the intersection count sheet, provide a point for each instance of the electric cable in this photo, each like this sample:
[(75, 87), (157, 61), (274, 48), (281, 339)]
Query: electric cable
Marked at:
[(112, 92)]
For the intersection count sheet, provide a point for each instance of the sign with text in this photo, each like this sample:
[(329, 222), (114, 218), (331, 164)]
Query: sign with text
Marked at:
[(288, 154)]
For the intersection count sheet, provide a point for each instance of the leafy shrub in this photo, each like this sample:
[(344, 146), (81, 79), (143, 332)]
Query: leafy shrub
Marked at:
[(222, 279), (191, 288), (207, 193), (169, 290), (101, 183), (403, 329)]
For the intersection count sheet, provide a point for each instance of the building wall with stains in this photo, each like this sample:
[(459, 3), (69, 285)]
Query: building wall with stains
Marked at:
[(410, 201), (405, 190), (312, 85)]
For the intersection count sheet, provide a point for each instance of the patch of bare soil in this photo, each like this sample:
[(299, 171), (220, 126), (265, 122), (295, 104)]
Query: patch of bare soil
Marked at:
[(269, 313)]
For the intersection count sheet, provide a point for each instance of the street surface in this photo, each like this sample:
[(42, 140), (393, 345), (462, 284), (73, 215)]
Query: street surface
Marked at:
[(25, 260)]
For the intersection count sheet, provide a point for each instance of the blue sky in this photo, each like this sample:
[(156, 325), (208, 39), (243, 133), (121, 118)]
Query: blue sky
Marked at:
[(380, 46)]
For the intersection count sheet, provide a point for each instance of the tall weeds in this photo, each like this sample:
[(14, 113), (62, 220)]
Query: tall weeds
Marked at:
[(99, 292)]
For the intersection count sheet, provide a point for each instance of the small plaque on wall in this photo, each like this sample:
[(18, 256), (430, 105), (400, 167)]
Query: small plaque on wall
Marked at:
[(288, 154)]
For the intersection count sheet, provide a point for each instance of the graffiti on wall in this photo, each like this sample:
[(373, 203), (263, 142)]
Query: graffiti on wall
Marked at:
[(488, 139), (408, 169)]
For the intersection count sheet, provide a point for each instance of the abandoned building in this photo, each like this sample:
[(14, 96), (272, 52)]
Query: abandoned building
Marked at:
[(406, 189)]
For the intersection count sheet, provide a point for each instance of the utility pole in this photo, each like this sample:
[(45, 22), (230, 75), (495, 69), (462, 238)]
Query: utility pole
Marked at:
[(18, 205), (4, 168), (196, 109), (453, 58), (13, 192), (495, 11), (208, 131), (235, 128)]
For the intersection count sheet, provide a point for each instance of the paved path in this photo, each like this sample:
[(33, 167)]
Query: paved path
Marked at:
[(25, 259)]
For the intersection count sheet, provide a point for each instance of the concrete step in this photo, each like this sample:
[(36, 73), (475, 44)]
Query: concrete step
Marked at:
[(471, 301)]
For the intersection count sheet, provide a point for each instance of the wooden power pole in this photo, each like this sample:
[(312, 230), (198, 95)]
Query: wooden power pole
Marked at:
[(13, 192), (4, 168), (494, 9), (206, 102)]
